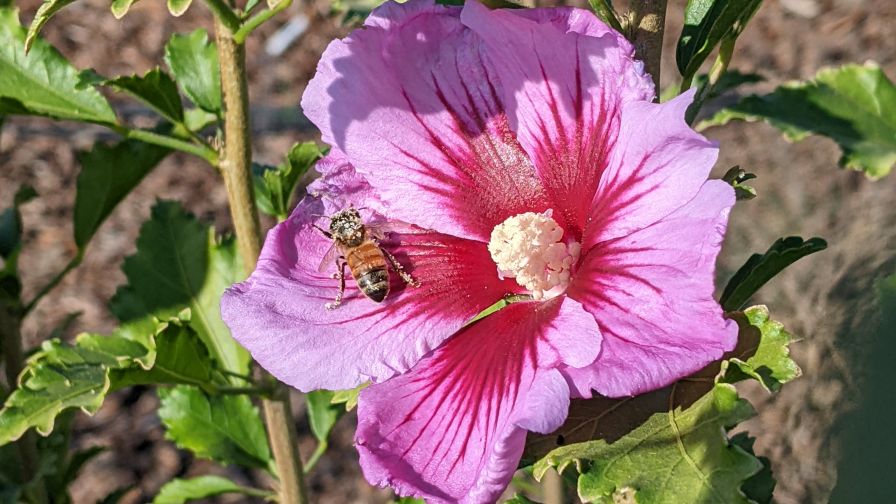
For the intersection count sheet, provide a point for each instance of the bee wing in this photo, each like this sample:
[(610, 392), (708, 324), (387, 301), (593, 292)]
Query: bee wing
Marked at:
[(379, 229), (328, 258)]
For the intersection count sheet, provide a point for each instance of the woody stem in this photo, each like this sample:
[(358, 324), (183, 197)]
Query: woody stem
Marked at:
[(648, 27), (235, 165)]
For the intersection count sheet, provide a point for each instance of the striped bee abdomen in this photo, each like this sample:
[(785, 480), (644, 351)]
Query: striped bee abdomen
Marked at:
[(368, 267), (375, 284)]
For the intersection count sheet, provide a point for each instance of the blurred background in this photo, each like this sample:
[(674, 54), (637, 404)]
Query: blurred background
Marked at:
[(819, 425)]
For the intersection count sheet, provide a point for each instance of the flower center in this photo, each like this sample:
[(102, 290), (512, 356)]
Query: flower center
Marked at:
[(528, 247)]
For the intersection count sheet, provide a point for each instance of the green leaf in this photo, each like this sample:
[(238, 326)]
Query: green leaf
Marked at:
[(322, 415), (115, 496), (178, 7), (44, 13), (275, 187), (43, 82), (179, 491), (763, 351), (675, 456), (759, 487), (348, 397), (180, 358), (225, 428), (355, 11), (730, 80), (194, 62), (760, 268), (669, 446), (156, 89), (706, 24), (108, 174), (60, 376), (121, 7), (736, 176), (519, 499), (853, 105), (604, 10), (11, 222), (178, 264), (196, 119)]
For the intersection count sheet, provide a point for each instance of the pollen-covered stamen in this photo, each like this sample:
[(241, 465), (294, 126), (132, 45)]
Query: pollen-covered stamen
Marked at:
[(528, 247)]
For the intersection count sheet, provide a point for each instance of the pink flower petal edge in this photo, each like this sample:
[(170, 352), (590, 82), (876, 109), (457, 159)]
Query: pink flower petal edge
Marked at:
[(453, 428), (652, 293)]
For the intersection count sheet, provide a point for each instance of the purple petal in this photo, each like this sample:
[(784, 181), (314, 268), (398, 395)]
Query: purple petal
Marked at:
[(659, 163), (564, 77), (652, 294), (415, 109), (278, 314), (453, 428), (340, 186)]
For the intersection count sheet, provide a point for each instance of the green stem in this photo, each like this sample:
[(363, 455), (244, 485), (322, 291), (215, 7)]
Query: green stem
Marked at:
[(74, 263), (235, 166), (605, 11), (649, 24), (154, 138), (13, 356), (312, 460), (224, 14), (686, 83), (260, 391), (247, 379), (257, 20), (719, 67), (257, 492)]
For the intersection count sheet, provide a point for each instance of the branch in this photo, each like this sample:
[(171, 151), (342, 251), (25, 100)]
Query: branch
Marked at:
[(154, 138), (224, 14), (605, 11), (235, 168), (257, 20), (649, 24), (74, 263)]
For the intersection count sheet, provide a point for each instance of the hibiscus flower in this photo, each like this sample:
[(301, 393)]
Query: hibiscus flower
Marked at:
[(513, 152)]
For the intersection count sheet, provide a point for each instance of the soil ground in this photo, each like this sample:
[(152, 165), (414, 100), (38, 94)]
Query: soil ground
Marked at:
[(825, 299)]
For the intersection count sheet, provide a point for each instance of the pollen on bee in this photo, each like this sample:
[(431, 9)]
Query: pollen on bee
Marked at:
[(529, 248)]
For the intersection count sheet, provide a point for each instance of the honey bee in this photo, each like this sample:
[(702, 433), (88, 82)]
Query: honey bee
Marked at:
[(357, 245)]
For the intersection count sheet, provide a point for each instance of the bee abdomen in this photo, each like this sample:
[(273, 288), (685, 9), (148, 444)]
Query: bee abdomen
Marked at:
[(375, 284)]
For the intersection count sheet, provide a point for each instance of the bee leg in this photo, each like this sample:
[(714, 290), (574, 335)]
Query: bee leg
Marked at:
[(323, 231), (398, 268), (340, 275)]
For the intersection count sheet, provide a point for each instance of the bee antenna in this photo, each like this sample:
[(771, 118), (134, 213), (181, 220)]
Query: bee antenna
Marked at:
[(324, 216)]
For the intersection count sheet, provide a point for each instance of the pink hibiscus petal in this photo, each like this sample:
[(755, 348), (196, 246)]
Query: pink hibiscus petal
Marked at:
[(340, 186), (659, 163), (453, 428), (411, 103), (652, 294), (278, 314), (564, 76)]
